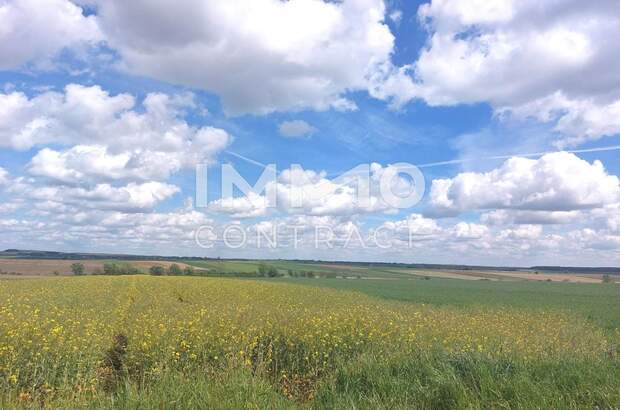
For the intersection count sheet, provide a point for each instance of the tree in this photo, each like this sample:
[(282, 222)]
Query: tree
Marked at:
[(272, 272), (77, 268), (606, 278), (189, 270), (262, 269), (157, 270), (110, 268), (175, 269), (128, 269)]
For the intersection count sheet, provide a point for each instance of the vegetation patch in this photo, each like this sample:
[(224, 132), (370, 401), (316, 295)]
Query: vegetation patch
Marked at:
[(106, 339)]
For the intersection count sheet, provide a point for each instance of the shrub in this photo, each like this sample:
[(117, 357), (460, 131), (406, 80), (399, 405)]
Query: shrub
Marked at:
[(124, 268), (109, 268), (267, 270), (157, 270), (262, 269), (78, 269), (175, 269), (607, 279), (189, 270)]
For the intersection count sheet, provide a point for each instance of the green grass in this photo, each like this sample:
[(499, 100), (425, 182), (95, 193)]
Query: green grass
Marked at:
[(435, 381), (599, 303), (225, 266), (234, 390), (423, 381)]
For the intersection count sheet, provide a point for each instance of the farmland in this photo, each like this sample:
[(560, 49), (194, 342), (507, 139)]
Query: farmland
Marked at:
[(595, 302), (53, 267), (104, 341)]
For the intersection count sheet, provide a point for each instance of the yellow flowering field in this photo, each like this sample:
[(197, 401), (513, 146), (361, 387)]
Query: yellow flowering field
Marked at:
[(80, 335)]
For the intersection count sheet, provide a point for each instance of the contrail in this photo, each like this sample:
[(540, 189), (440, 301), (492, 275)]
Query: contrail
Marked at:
[(464, 160), (529, 155), (250, 160)]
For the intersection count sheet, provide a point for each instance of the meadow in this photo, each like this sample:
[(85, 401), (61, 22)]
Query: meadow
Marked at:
[(201, 342)]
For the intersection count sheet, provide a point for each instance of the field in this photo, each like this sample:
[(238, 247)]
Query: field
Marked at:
[(47, 267), (595, 302), (201, 342), (10, 267), (370, 271)]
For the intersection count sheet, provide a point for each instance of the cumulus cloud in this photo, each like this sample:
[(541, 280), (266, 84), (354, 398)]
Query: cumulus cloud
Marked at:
[(507, 217), (88, 163), (525, 57), (588, 238), (115, 138), (250, 205), (577, 120), (522, 232), (296, 129), (133, 197), (555, 182), (466, 230), (308, 192), (414, 225), (112, 231), (551, 61), (89, 114), (259, 56), (33, 31)]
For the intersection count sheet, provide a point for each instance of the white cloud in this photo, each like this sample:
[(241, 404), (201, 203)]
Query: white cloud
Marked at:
[(415, 226), (4, 176), (550, 60), (522, 232), (109, 231), (9, 207), (118, 154), (91, 115), (588, 238), (248, 206), (396, 16), (88, 163), (33, 31), (259, 56), (507, 217), (577, 120), (133, 197), (115, 139), (296, 129), (466, 230), (307, 192), (555, 182)]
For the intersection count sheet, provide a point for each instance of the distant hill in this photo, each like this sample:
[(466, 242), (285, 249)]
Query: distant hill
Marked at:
[(34, 254)]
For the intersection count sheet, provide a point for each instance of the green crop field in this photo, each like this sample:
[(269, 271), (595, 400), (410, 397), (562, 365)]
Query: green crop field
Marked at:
[(596, 302)]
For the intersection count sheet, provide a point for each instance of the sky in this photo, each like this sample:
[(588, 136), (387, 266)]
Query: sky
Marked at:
[(509, 109)]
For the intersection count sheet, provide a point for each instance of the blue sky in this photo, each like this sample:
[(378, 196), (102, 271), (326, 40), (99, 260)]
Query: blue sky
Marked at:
[(106, 108)]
